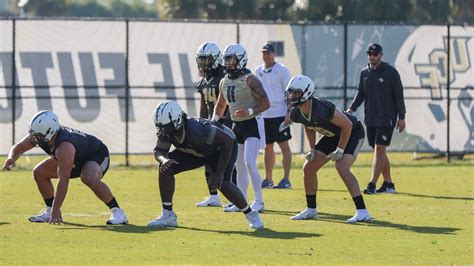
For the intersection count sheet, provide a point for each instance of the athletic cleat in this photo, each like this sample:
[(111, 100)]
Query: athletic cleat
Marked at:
[(370, 188), (228, 205), (267, 183), (42, 217), (257, 206), (117, 216), (284, 183), (211, 201), (254, 220), (307, 214), (166, 219), (360, 216), (387, 188), (231, 208)]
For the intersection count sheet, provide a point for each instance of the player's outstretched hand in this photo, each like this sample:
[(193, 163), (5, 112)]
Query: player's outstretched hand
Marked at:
[(56, 217), (8, 164)]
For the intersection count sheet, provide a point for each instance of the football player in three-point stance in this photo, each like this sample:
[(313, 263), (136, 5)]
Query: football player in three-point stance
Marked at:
[(244, 94), (197, 142), (343, 136), (73, 154)]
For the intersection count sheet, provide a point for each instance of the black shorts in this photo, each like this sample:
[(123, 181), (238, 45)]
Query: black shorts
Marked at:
[(379, 135), (189, 161), (246, 129), (327, 145), (272, 133), (101, 157)]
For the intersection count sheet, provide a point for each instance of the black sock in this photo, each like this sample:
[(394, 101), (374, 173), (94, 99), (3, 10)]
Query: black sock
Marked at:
[(49, 202), (247, 210), (311, 201), (213, 193), (168, 206), (113, 203), (359, 202)]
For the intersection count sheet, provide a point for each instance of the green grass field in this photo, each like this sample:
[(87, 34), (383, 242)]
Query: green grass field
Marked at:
[(430, 220)]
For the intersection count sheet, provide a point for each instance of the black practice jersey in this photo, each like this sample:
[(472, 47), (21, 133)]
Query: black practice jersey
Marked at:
[(198, 138), (209, 90), (86, 145), (322, 112)]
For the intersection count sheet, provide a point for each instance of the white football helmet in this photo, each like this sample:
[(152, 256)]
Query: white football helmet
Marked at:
[(208, 57), (43, 126), (238, 51), (299, 90), (168, 118)]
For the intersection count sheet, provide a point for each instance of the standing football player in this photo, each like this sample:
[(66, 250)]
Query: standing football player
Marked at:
[(244, 94), (208, 60), (73, 154)]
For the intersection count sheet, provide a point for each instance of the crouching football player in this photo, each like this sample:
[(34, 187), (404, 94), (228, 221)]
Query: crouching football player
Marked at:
[(197, 142), (343, 136), (73, 154)]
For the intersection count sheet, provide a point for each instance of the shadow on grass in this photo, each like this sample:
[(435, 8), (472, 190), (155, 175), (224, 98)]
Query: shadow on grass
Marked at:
[(433, 197), (127, 228), (404, 194), (4, 223), (264, 233), (142, 229), (328, 217)]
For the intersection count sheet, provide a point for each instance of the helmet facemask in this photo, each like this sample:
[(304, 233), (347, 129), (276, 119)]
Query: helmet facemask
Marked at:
[(205, 64), (293, 97), (230, 63)]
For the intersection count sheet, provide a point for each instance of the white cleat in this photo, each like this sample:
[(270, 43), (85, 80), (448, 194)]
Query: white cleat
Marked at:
[(257, 206), (42, 217), (211, 201), (254, 220), (307, 214), (167, 219), (231, 208), (360, 216), (117, 216)]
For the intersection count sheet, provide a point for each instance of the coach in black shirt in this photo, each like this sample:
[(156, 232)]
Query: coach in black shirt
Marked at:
[(381, 90)]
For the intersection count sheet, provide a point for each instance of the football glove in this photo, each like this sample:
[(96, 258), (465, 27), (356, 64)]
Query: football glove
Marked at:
[(336, 155), (311, 155)]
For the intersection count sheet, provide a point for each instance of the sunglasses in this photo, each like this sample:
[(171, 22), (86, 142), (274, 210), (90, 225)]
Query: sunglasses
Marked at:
[(372, 54)]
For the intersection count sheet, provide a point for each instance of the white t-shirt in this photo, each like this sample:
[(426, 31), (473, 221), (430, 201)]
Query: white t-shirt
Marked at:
[(274, 80)]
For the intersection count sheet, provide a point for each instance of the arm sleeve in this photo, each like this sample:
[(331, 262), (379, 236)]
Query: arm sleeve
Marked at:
[(360, 96), (399, 98)]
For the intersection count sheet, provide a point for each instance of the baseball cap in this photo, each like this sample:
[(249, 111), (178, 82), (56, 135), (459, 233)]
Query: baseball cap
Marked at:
[(375, 48), (268, 47)]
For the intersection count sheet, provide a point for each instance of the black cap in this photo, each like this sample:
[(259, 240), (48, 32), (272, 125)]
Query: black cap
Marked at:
[(375, 48), (268, 47)]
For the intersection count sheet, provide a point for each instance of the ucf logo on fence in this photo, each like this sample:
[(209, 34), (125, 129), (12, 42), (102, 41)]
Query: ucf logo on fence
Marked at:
[(435, 74), (422, 63)]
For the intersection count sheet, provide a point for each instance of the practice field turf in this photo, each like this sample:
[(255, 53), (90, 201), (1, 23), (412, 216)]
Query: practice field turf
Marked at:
[(430, 220)]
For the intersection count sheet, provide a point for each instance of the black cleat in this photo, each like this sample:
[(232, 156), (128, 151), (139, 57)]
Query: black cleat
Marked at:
[(387, 188), (370, 188)]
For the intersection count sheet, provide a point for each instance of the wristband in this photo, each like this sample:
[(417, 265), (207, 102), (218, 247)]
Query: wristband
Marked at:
[(215, 118), (250, 111)]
